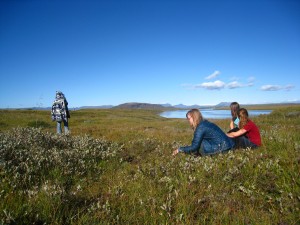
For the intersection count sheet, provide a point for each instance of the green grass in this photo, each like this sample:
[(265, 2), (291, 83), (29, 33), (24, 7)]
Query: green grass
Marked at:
[(117, 167)]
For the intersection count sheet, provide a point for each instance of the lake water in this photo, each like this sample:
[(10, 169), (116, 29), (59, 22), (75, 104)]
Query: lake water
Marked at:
[(211, 113)]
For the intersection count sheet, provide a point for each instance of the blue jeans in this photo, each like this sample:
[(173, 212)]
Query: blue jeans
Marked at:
[(66, 127), (204, 153)]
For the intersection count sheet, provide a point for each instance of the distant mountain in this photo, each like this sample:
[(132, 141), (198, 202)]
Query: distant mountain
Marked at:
[(96, 107), (39, 108), (167, 105), (223, 104), (136, 105), (181, 106)]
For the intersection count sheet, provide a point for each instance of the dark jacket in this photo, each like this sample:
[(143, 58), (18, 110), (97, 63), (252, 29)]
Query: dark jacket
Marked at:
[(208, 139)]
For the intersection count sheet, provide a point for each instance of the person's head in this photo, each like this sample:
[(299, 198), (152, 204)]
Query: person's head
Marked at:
[(243, 116), (194, 117), (234, 107), (59, 95)]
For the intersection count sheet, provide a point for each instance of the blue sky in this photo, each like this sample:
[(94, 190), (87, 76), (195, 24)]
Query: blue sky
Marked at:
[(158, 51)]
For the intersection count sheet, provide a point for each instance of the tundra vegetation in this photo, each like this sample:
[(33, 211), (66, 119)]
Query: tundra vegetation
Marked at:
[(116, 167)]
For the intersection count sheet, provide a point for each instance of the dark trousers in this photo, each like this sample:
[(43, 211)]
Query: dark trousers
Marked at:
[(242, 141)]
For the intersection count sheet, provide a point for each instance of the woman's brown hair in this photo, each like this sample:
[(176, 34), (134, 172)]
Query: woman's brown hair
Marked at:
[(243, 116), (196, 115), (234, 107)]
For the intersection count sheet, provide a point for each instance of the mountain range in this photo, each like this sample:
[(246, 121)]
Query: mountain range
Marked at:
[(138, 105)]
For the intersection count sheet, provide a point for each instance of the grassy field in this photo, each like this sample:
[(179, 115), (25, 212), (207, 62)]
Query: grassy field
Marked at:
[(117, 167)]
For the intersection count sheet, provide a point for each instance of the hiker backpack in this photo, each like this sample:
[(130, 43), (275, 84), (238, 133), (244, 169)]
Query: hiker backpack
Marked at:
[(59, 110)]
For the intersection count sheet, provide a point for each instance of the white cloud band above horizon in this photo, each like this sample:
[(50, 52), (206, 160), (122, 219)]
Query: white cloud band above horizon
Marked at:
[(270, 87), (218, 84)]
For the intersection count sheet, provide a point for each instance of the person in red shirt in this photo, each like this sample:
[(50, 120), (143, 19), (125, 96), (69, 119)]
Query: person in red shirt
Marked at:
[(248, 134)]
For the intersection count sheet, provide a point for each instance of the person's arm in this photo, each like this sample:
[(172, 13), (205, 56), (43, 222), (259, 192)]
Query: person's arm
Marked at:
[(231, 124), (237, 133), (196, 142)]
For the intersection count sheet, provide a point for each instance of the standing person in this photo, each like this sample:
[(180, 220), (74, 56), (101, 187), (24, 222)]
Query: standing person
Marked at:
[(208, 137), (60, 112), (248, 134), (234, 122)]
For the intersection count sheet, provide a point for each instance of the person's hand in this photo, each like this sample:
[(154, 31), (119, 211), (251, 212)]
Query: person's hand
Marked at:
[(175, 152), (229, 135)]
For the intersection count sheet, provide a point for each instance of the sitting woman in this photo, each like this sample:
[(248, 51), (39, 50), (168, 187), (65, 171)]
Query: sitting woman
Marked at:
[(208, 137), (234, 122), (248, 134)]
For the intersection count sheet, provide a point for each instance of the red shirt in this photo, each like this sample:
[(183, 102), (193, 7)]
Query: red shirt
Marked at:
[(253, 132)]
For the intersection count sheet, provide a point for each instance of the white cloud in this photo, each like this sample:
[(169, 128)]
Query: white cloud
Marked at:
[(234, 84), (270, 87), (288, 87), (213, 75), (218, 84), (212, 85)]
